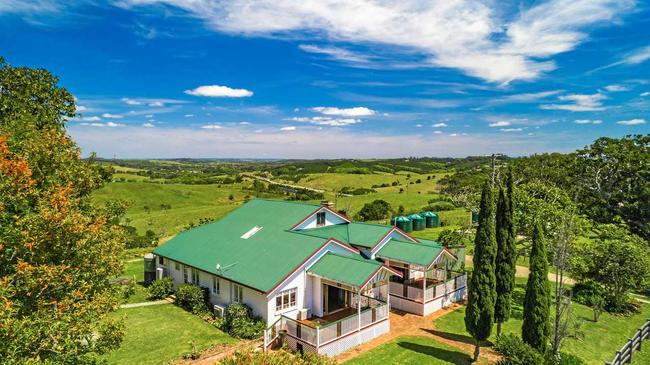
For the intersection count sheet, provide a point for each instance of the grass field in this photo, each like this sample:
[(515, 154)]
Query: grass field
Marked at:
[(159, 334), (135, 269), (412, 350), (641, 357), (598, 343)]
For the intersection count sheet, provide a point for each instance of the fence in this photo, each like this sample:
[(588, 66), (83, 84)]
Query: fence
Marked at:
[(624, 355)]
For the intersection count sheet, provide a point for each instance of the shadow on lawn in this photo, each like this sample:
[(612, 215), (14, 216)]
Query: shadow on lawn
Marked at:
[(456, 337), (454, 357)]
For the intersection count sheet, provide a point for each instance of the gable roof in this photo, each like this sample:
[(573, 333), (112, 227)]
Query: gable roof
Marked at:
[(262, 260), (422, 253), (354, 271), (354, 233)]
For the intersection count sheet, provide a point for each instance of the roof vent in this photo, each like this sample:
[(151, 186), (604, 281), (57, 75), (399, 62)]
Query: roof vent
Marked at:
[(251, 232)]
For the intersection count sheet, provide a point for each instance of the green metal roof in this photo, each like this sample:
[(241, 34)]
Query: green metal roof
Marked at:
[(422, 253), (261, 261), (344, 269), (355, 233)]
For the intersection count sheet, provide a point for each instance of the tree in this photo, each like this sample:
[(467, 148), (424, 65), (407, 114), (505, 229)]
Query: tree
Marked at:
[(479, 315), (535, 329), (57, 251), (376, 210), (506, 255), (618, 260)]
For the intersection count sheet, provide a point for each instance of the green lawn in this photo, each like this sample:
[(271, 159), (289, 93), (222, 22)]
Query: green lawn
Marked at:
[(161, 333), (641, 357), (599, 341), (135, 269), (412, 350)]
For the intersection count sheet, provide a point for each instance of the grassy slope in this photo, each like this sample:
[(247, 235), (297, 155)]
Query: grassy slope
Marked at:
[(161, 333), (599, 343), (412, 350)]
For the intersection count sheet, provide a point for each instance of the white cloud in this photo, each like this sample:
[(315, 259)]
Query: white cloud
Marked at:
[(217, 91), (93, 118), (637, 56), (156, 104), (494, 44), (244, 123), (148, 125), (511, 129), (587, 121), (616, 88), (81, 109), (329, 121), (288, 129), (454, 135), (112, 124), (579, 103), (645, 93), (112, 116), (437, 132), (501, 123), (152, 102), (439, 125), (359, 111), (418, 126), (636, 121), (131, 101), (211, 126), (336, 53), (189, 115), (101, 125)]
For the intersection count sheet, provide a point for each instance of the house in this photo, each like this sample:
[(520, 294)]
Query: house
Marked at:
[(311, 273)]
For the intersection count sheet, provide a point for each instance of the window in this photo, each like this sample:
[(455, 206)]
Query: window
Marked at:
[(195, 276), (216, 285), (238, 294), (161, 260), (177, 266), (285, 299), (320, 218), (185, 280)]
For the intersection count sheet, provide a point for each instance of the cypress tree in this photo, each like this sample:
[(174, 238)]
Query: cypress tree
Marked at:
[(537, 303), (479, 315), (506, 255)]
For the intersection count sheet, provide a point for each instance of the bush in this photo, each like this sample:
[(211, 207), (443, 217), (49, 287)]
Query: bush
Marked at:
[(587, 292), (516, 352), (161, 289), (378, 209), (565, 359), (128, 289), (192, 298), (250, 356), (239, 322)]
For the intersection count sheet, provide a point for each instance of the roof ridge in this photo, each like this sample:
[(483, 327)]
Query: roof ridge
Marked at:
[(373, 224), (354, 258), (436, 244)]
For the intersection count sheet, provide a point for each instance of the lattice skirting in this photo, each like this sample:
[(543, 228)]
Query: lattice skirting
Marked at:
[(355, 339)]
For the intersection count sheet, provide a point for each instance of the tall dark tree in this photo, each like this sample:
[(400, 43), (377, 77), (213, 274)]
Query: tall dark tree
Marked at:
[(537, 303), (506, 255), (479, 315)]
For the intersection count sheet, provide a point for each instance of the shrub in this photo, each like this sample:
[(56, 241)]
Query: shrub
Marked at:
[(239, 322), (516, 352), (192, 298), (250, 356), (378, 209), (587, 292), (161, 289), (565, 359), (128, 289)]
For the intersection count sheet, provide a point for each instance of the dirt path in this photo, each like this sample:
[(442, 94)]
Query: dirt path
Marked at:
[(406, 324), (146, 304)]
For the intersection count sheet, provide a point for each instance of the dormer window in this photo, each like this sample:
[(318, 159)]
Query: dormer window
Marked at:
[(320, 219)]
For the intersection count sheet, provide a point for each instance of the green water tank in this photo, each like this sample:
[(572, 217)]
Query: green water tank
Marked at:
[(431, 219), (418, 222), (403, 223)]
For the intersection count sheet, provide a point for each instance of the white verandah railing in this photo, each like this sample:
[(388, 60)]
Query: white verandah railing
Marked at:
[(416, 292), (317, 336)]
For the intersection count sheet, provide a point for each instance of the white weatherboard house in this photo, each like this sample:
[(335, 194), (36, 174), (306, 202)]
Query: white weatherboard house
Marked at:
[(325, 281)]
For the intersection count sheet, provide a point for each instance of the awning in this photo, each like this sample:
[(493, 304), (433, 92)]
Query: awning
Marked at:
[(356, 272)]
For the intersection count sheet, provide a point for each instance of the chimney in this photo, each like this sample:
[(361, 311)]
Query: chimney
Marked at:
[(327, 203)]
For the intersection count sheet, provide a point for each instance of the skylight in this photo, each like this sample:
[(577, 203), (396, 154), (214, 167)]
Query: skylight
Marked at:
[(251, 232)]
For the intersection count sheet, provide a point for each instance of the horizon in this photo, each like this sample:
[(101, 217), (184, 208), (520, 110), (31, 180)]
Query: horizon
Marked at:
[(214, 79)]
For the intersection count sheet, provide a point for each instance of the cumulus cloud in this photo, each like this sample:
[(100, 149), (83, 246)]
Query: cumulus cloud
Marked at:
[(218, 91), (437, 132), (151, 102), (578, 103), (645, 93), (288, 129), (439, 125), (189, 115), (587, 121), (635, 121), (211, 126), (511, 129), (148, 125), (616, 88), (359, 111), (329, 121), (93, 118), (493, 44), (82, 108), (112, 116), (501, 123), (101, 125)]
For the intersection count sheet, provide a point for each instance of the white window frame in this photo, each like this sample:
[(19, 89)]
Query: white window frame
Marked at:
[(195, 276), (216, 285), (286, 301), (238, 293), (185, 275)]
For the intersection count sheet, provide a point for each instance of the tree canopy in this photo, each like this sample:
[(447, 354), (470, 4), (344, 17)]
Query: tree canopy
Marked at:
[(57, 252), (536, 326)]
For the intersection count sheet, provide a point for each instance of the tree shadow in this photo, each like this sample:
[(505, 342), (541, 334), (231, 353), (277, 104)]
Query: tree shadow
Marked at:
[(454, 357), (451, 336)]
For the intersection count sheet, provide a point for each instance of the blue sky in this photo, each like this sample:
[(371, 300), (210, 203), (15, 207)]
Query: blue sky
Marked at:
[(332, 78)]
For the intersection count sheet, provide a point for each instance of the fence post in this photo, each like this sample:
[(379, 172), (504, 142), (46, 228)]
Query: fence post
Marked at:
[(630, 342)]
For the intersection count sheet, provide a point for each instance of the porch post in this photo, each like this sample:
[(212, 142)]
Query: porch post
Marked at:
[(359, 310), (424, 286)]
